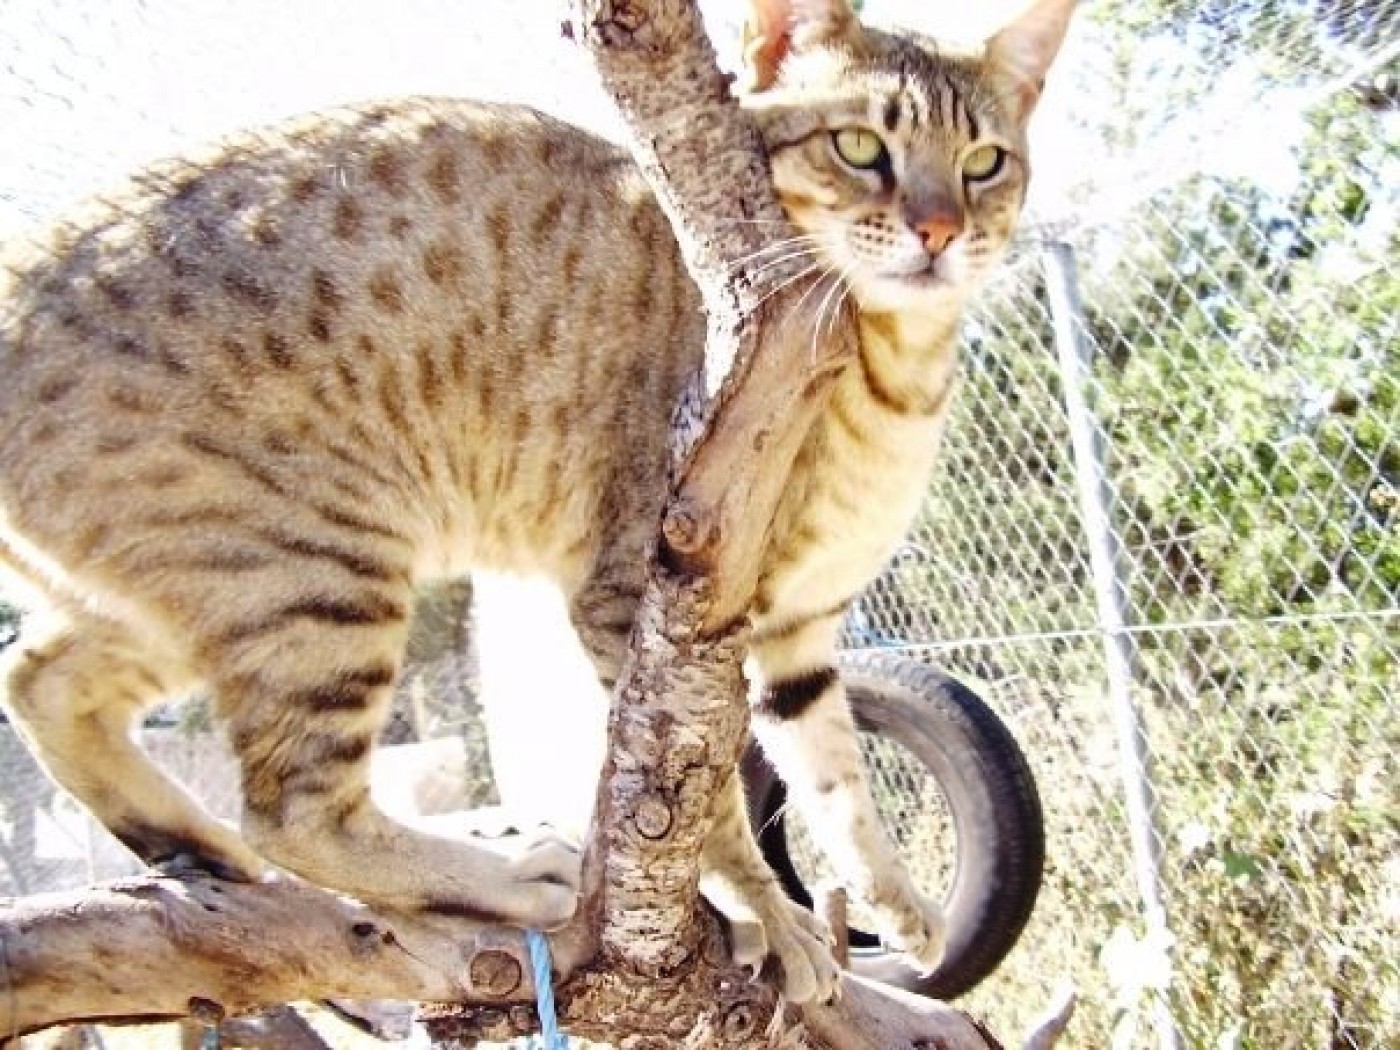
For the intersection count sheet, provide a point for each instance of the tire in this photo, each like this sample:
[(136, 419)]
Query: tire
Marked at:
[(992, 803)]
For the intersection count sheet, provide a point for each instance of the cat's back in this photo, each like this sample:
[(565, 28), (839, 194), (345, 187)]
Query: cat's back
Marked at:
[(288, 228), (458, 288)]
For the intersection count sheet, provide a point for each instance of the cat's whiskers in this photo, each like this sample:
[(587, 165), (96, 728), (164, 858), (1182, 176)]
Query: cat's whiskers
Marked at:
[(773, 264), (793, 251), (753, 222), (846, 274), (778, 814), (797, 307), (806, 240), (841, 285), (783, 284)]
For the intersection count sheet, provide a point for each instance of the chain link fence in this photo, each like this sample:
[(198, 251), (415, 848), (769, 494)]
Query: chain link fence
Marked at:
[(1164, 538)]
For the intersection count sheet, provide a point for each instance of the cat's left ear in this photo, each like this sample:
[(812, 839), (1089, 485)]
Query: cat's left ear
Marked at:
[(775, 29), (1020, 55)]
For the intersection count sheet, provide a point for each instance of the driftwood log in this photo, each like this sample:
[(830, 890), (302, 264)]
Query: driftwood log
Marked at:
[(643, 964)]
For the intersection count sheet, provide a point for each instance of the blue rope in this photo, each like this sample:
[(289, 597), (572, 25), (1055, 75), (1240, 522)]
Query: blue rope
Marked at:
[(550, 1039)]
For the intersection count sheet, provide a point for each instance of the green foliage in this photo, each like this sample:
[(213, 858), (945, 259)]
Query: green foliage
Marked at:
[(1251, 384), (1279, 813)]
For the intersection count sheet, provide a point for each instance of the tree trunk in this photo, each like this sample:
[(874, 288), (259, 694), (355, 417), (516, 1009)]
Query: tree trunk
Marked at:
[(679, 716)]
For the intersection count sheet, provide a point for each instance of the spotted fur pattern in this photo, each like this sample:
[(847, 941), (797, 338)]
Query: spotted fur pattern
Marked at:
[(254, 398)]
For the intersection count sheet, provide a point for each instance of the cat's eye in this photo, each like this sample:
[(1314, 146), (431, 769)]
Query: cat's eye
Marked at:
[(983, 163), (859, 147)]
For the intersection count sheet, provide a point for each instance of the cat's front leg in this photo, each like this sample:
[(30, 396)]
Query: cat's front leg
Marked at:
[(765, 924), (803, 721)]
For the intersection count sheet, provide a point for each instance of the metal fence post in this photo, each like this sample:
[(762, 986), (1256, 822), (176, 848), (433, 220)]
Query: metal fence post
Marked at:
[(1095, 496)]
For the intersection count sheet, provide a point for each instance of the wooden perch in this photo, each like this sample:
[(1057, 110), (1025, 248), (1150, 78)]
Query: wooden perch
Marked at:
[(643, 959), (154, 947)]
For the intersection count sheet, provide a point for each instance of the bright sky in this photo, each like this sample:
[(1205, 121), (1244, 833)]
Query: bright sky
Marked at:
[(89, 91)]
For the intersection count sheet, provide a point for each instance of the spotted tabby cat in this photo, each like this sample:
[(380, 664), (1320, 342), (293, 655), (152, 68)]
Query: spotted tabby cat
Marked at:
[(255, 397)]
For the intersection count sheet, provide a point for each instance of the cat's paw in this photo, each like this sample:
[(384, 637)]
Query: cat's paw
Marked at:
[(913, 925), (794, 944), (530, 880), (184, 865), (545, 872)]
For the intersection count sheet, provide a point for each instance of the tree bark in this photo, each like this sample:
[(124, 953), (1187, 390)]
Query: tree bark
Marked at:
[(154, 947), (680, 716), (703, 159), (643, 964)]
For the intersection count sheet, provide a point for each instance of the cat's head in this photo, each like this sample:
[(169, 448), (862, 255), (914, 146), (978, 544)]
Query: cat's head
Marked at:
[(904, 159)]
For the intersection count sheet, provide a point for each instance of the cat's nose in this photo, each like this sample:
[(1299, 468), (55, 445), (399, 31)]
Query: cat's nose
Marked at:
[(938, 229)]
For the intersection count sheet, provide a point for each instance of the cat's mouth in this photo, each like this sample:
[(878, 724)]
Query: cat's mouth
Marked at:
[(932, 275), (908, 283)]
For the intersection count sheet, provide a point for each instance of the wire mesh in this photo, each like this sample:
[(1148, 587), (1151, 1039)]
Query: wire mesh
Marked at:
[(1240, 293), (1229, 176)]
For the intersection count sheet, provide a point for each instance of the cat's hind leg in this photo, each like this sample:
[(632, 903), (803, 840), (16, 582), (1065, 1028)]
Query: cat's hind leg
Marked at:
[(303, 682), (75, 690), (803, 720)]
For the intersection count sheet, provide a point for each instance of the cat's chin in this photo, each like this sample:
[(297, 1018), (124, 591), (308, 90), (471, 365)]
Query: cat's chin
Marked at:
[(932, 279), (929, 291)]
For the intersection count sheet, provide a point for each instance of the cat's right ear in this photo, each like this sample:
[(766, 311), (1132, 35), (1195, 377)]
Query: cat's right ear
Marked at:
[(1020, 55), (775, 29)]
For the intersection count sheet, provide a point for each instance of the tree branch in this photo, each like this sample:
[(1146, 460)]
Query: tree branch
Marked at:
[(702, 157), (679, 717), (154, 947)]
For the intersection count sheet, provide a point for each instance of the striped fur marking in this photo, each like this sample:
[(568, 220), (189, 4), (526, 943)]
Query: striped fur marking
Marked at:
[(789, 698)]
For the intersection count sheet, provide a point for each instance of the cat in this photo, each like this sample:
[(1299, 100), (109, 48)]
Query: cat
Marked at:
[(257, 396)]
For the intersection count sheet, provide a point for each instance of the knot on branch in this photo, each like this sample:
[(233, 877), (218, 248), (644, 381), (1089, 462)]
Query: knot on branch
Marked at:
[(620, 25), (692, 539), (495, 973), (652, 817), (205, 1011), (741, 1022)]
